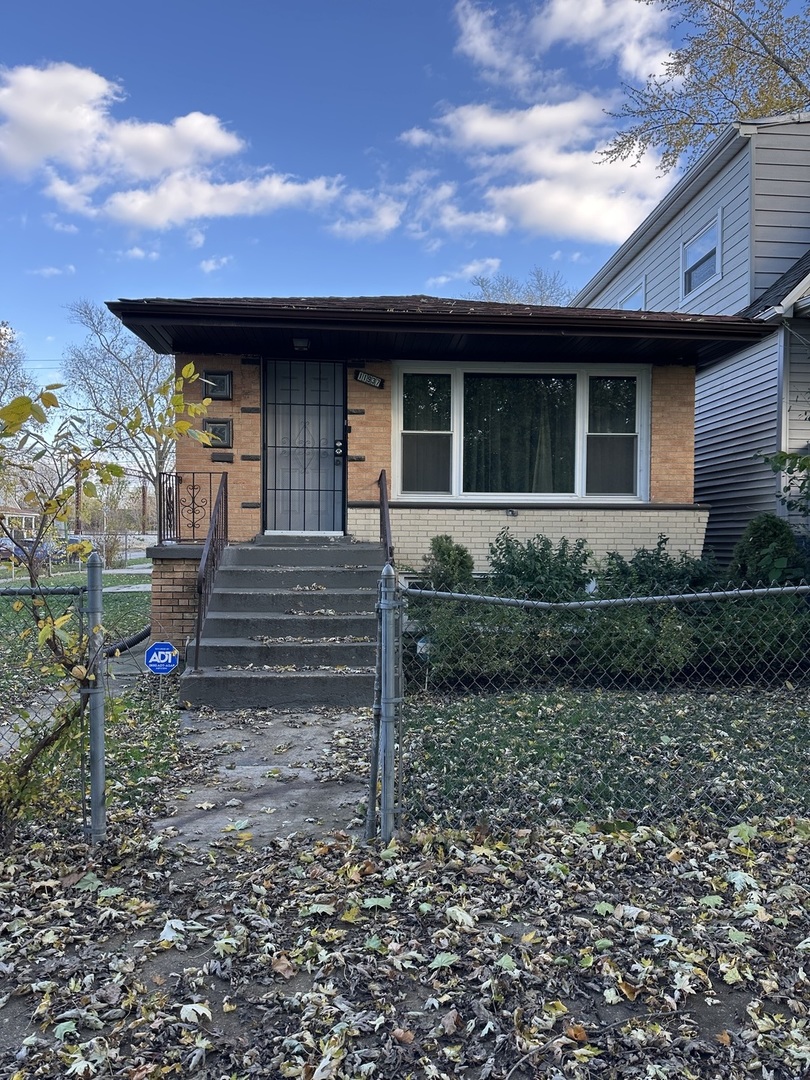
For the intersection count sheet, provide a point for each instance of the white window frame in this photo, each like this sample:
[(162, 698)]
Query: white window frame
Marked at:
[(715, 224), (641, 373), (640, 287)]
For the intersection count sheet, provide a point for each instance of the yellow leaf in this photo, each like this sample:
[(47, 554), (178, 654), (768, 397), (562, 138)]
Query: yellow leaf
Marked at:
[(49, 400), (631, 992), (187, 371)]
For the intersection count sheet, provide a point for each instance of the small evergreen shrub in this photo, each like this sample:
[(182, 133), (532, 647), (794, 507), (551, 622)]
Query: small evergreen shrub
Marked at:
[(768, 552), (449, 566)]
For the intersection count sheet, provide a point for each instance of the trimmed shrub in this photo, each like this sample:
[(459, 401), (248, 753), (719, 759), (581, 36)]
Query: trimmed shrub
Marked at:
[(767, 552), (449, 566)]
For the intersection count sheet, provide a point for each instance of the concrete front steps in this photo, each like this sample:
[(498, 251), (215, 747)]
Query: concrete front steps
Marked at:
[(291, 624)]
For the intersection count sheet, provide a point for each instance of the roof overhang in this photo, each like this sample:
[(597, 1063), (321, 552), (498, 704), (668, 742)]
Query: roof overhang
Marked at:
[(422, 328)]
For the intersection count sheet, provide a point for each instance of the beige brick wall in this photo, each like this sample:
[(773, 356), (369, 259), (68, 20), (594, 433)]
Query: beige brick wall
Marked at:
[(174, 597), (672, 435), (604, 529)]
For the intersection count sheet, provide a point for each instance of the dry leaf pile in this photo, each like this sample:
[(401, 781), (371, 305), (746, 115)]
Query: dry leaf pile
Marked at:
[(567, 953)]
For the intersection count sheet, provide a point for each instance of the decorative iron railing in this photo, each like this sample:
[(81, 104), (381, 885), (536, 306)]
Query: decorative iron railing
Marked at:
[(385, 519), (215, 543), (185, 506)]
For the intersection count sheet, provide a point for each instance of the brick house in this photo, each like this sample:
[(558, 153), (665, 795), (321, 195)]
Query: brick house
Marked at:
[(573, 422)]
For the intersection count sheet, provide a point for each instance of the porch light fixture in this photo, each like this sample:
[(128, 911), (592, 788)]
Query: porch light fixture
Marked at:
[(301, 344)]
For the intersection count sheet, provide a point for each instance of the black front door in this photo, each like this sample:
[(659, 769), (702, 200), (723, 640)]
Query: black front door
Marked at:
[(305, 464)]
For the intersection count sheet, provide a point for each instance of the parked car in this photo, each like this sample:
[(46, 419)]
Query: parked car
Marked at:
[(10, 551)]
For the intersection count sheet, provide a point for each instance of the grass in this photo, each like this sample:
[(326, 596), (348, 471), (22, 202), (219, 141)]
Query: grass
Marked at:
[(608, 755), (22, 679)]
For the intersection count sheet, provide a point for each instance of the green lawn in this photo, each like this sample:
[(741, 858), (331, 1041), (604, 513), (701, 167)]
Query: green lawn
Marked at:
[(609, 756), (21, 676)]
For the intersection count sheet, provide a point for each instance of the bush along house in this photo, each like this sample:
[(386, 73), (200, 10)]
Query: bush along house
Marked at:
[(443, 416)]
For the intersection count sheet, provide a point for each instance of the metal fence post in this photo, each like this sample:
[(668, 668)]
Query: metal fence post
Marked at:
[(374, 762), (95, 696), (388, 699)]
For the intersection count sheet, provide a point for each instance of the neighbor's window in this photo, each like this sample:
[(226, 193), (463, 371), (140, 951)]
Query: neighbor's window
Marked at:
[(701, 258), (634, 299), (480, 433)]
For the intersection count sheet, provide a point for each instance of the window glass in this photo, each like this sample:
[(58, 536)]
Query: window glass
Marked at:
[(612, 463), (633, 301), (700, 259), (519, 433), (426, 403), (427, 441)]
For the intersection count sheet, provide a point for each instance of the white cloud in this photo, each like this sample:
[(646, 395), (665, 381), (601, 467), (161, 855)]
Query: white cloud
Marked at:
[(53, 271), (59, 226), (466, 272), (57, 121), (369, 215), (195, 238), (138, 253), (208, 266), (185, 197), (495, 50), (535, 166), (632, 34)]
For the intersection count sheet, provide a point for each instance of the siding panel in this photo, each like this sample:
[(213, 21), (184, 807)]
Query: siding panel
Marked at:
[(736, 419), (660, 262)]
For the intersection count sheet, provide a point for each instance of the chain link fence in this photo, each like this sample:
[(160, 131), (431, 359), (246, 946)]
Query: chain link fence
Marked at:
[(42, 751), (619, 708)]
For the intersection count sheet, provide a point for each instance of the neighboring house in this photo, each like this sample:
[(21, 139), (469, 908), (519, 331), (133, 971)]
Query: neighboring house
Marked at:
[(732, 237), (560, 421)]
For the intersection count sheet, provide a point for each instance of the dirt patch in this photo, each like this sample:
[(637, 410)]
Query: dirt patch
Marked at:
[(260, 775)]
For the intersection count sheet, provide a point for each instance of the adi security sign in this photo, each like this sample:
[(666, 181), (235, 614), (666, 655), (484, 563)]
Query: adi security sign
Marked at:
[(162, 658)]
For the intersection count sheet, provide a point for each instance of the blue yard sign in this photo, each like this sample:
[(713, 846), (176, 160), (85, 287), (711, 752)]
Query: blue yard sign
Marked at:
[(162, 658)]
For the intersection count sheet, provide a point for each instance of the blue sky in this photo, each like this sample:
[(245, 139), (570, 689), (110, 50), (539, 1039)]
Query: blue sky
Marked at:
[(267, 148)]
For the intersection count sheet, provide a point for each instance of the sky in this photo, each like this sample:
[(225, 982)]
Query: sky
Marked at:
[(315, 148)]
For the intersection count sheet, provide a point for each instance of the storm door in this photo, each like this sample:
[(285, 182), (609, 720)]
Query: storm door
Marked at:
[(305, 466)]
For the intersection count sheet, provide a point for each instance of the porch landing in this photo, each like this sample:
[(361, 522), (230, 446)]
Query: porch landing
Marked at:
[(291, 624)]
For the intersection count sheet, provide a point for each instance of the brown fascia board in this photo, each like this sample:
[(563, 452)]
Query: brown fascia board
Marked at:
[(466, 318)]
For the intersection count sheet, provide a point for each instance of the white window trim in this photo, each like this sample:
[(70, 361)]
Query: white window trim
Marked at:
[(640, 286), (641, 373), (715, 223)]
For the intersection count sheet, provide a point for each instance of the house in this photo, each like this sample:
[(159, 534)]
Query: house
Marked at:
[(562, 421), (732, 237)]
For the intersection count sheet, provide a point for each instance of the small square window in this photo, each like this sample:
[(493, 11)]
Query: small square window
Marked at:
[(218, 385), (221, 432)]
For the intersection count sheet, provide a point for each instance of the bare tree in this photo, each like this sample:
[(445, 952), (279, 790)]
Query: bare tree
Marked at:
[(13, 377), (736, 60), (542, 288), (111, 379)]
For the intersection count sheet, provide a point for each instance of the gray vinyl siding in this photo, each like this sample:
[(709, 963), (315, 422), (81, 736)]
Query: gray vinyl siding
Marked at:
[(659, 264), (797, 435), (736, 418), (781, 209), (797, 407)]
